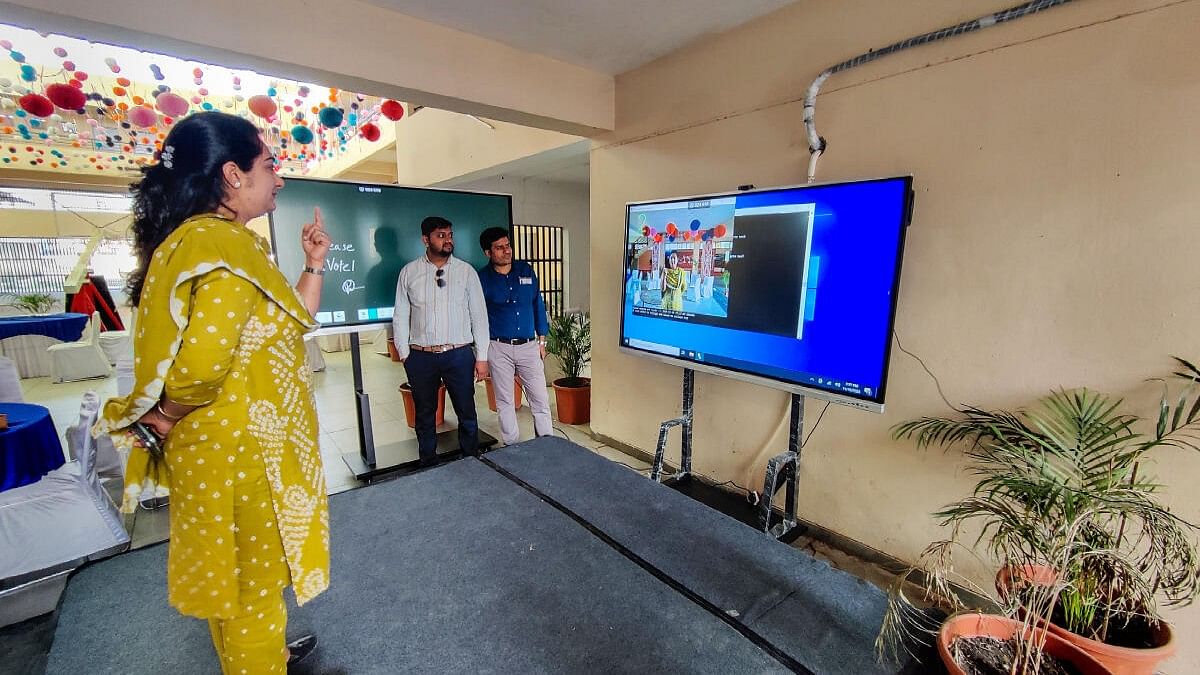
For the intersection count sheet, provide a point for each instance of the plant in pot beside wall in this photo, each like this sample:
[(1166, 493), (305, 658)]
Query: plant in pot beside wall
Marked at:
[(570, 340), (1064, 504)]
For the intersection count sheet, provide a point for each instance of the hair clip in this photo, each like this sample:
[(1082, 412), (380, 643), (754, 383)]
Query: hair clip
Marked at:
[(167, 156)]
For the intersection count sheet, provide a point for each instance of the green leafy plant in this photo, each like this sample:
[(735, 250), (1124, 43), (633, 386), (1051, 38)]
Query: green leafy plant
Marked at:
[(1062, 490), (570, 340), (34, 303)]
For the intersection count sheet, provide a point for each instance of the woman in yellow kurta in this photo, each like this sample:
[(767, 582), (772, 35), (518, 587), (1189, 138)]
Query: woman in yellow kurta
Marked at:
[(220, 376), (674, 283)]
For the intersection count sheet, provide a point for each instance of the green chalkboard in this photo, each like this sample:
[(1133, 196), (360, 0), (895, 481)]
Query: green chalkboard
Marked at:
[(376, 230)]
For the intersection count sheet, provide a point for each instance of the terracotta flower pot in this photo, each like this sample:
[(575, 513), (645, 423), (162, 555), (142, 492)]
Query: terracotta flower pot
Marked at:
[(574, 403), (1118, 660), (1002, 628), (410, 407), (491, 393), (1125, 660)]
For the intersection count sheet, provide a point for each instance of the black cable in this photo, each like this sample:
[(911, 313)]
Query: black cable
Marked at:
[(936, 382), (814, 426)]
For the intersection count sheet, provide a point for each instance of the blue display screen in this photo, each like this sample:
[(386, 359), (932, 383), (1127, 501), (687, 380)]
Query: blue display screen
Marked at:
[(796, 285)]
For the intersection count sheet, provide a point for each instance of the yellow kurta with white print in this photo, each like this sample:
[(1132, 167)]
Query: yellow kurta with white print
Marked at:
[(220, 328)]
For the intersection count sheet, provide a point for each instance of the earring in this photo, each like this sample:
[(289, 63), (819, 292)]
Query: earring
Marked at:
[(237, 185)]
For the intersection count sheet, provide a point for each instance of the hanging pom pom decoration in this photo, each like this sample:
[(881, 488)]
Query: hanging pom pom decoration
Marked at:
[(720, 230), (658, 238), (302, 134), (695, 225), (330, 117), (369, 131), (66, 97), (262, 105), (60, 52), (156, 72), (28, 73), (671, 238), (112, 64), (142, 117), (671, 229), (36, 105), (392, 110), (171, 104)]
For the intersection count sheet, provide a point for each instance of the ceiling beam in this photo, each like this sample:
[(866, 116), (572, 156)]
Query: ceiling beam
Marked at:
[(354, 46)]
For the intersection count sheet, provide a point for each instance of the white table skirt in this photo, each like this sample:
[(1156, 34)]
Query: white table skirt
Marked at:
[(29, 353)]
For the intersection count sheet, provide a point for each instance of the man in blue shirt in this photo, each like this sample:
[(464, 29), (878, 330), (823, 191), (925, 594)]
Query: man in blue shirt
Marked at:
[(518, 328)]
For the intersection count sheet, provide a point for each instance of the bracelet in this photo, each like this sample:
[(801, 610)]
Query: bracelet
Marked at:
[(314, 270), (162, 412)]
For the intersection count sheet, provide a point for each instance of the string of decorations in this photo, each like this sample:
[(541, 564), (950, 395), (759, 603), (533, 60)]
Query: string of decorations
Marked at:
[(57, 116)]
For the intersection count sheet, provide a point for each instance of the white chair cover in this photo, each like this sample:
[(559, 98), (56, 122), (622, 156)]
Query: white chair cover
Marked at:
[(338, 342), (125, 375), (115, 344), (10, 382), (55, 524), (316, 360), (378, 339), (82, 359)]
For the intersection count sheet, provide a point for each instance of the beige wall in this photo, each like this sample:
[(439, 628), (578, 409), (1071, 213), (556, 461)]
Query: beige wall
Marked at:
[(434, 147), (1053, 242), (546, 202)]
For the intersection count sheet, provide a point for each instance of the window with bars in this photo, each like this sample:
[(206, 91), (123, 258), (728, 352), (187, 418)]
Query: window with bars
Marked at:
[(544, 247), (41, 264)]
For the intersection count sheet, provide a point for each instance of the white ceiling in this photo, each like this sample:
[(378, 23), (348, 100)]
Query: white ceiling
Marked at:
[(608, 36)]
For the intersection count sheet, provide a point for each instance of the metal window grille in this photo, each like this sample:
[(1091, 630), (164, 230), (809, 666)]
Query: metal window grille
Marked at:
[(544, 247), (41, 264), (37, 264)]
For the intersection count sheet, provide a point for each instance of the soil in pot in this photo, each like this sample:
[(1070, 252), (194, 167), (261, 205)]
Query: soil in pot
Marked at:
[(1137, 633), (990, 656)]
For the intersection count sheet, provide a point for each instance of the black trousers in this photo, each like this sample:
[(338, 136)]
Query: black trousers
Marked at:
[(426, 371)]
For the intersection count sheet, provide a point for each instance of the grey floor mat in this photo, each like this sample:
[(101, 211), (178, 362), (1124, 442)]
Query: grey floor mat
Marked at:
[(824, 618), (455, 569)]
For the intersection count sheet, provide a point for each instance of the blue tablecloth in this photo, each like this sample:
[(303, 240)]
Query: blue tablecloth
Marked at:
[(29, 448), (65, 327)]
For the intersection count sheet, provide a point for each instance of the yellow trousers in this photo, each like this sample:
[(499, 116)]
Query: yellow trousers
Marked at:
[(254, 642)]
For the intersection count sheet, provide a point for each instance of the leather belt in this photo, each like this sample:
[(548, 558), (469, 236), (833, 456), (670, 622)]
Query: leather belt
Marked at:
[(438, 349), (513, 341)]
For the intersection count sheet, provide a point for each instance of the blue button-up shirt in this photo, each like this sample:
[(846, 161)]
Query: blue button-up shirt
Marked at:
[(514, 304)]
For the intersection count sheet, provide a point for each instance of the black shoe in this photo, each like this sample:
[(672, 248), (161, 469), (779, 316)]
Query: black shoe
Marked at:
[(299, 649), (426, 462)]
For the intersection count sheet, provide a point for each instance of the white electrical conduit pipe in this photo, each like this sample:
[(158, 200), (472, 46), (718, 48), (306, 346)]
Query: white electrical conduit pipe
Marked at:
[(816, 144)]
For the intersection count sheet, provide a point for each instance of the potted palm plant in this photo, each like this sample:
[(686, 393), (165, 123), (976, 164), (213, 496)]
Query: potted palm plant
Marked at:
[(570, 340), (1068, 511)]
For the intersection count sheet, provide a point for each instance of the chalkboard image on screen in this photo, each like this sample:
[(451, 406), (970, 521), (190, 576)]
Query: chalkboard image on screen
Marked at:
[(793, 287), (376, 230)]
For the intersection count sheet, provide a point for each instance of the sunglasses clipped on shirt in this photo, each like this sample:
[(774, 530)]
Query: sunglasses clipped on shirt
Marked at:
[(440, 280)]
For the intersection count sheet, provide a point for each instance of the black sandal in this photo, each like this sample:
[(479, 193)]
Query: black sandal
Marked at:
[(300, 648)]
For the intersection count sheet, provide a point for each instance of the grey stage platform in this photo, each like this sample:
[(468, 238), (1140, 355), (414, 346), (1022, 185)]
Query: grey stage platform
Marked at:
[(465, 568)]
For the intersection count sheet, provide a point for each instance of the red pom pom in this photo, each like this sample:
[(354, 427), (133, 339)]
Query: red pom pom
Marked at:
[(392, 110), (65, 96), (720, 230), (370, 132), (37, 105)]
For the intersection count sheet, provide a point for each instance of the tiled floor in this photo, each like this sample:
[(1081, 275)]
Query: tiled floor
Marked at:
[(335, 408)]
